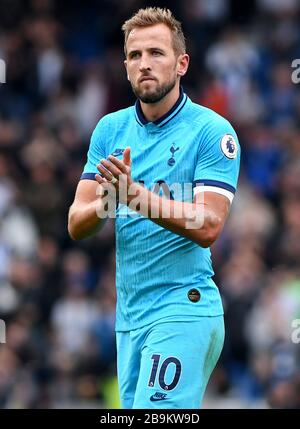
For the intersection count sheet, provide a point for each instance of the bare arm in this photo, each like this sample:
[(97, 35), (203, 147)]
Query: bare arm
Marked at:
[(83, 218), (201, 221)]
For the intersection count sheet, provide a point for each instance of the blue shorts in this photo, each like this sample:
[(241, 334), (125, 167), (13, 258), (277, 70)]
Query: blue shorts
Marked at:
[(168, 364)]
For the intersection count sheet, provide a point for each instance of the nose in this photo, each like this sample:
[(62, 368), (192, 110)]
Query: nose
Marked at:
[(144, 63)]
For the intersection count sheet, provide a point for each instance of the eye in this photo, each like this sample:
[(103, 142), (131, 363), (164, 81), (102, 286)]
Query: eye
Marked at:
[(134, 55), (156, 53)]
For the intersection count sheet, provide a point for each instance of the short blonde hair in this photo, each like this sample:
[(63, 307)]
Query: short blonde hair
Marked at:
[(152, 16)]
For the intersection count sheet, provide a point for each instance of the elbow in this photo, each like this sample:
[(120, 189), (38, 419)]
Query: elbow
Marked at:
[(209, 233), (208, 238), (74, 232), (206, 243)]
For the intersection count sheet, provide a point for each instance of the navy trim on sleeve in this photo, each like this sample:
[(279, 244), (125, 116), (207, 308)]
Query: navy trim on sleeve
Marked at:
[(215, 183), (88, 176)]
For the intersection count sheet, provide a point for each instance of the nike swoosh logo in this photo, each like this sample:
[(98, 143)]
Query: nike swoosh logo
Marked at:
[(153, 399), (118, 152)]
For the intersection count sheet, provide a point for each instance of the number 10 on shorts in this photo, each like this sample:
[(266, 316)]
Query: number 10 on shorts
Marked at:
[(162, 372)]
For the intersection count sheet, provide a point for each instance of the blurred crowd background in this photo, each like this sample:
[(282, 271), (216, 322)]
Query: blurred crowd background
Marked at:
[(57, 297)]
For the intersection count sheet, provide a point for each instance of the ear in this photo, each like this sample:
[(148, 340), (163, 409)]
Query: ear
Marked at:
[(125, 64), (182, 64)]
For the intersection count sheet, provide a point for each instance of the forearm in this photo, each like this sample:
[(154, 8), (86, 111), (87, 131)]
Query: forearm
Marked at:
[(196, 222), (86, 220)]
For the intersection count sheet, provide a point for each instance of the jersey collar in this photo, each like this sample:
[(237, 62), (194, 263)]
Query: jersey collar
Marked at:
[(139, 115)]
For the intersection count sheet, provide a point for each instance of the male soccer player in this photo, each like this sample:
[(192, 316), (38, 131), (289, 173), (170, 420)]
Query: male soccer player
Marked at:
[(169, 317)]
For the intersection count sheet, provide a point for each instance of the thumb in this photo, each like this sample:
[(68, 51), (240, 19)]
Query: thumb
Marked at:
[(126, 157)]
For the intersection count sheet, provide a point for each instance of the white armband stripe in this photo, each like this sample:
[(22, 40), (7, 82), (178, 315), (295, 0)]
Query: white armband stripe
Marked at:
[(221, 191)]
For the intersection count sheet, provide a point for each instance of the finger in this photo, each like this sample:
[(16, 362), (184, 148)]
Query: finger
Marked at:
[(105, 173), (126, 157), (119, 164), (113, 169), (100, 179)]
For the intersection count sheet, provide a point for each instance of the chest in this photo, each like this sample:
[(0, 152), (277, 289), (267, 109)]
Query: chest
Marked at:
[(168, 155)]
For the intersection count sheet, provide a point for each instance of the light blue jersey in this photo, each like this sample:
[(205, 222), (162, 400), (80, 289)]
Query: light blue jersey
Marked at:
[(159, 274)]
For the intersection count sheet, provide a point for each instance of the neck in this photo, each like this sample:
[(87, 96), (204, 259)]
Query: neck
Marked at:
[(154, 111)]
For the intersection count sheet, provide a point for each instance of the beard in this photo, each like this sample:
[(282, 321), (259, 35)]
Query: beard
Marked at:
[(156, 95)]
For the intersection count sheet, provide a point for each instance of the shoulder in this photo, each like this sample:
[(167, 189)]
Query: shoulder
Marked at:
[(110, 123), (118, 117), (208, 119), (215, 132)]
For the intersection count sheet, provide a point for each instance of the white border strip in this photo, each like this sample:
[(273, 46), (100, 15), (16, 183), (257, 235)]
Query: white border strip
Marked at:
[(221, 191)]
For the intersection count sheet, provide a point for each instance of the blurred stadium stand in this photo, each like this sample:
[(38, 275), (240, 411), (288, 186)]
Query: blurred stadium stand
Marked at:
[(57, 297)]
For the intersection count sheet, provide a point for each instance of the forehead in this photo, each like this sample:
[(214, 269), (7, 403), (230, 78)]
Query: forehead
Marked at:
[(158, 35)]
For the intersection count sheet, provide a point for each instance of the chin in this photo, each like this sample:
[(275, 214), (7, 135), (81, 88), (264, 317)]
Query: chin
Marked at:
[(147, 88), (150, 98), (147, 93)]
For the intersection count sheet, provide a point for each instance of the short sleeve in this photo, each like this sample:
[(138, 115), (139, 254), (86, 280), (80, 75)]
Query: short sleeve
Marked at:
[(218, 159), (96, 150)]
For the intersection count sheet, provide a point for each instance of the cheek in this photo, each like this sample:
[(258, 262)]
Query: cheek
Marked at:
[(169, 71), (169, 67), (132, 74), (132, 68)]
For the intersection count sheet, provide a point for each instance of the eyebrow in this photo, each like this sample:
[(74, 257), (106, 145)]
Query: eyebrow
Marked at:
[(148, 49)]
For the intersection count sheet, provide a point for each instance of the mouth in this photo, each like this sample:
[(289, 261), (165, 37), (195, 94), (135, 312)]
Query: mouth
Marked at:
[(146, 79)]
